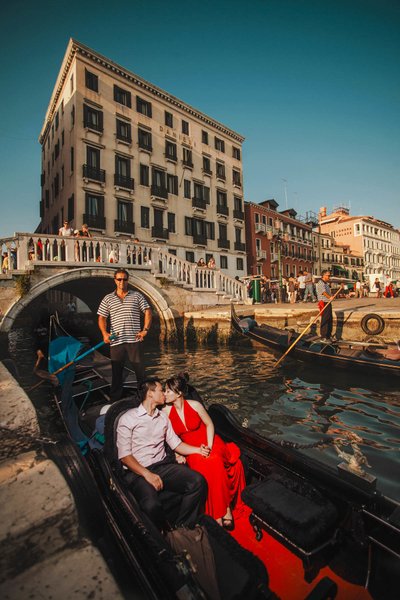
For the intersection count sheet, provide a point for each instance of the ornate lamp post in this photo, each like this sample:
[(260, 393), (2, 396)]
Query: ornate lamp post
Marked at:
[(275, 234)]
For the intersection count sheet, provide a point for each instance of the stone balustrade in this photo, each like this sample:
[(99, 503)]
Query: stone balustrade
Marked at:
[(27, 251)]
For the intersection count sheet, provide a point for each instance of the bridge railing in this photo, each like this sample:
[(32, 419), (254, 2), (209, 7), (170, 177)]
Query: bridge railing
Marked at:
[(25, 250)]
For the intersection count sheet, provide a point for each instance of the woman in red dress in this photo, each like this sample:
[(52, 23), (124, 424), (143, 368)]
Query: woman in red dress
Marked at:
[(223, 468)]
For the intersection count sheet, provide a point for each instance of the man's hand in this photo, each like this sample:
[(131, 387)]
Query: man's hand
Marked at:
[(141, 335), (106, 337), (181, 460), (154, 480)]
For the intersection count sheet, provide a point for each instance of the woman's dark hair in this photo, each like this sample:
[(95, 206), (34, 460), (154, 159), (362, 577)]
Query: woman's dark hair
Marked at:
[(177, 384)]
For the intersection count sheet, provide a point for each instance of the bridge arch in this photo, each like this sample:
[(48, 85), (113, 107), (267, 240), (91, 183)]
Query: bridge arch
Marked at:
[(167, 321)]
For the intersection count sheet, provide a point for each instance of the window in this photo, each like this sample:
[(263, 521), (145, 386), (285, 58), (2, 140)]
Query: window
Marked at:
[(62, 138), (91, 81), (238, 234), (171, 222), (71, 85), (169, 119), (158, 178), (122, 166), (207, 165), (188, 226), (187, 188), (170, 151), (92, 118), (239, 264), (144, 139), (93, 157), (94, 205), (237, 203), (57, 149), (72, 116), (204, 137), (172, 184), (71, 207), (185, 127), (222, 198), (143, 107), (47, 198), (124, 212), (62, 177), (223, 261), (122, 96), (124, 131), (223, 231), (145, 217), (72, 159), (209, 229), (187, 157), (220, 170), (144, 175), (219, 144), (190, 256), (236, 178), (236, 153), (57, 120)]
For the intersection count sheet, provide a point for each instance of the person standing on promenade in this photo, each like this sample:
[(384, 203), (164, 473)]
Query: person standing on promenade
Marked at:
[(301, 280), (124, 308), (324, 295), (309, 287)]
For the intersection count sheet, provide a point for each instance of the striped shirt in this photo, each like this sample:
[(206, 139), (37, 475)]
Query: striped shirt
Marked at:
[(124, 315), (321, 287)]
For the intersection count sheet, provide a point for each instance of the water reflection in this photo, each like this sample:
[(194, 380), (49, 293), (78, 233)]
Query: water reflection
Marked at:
[(298, 403)]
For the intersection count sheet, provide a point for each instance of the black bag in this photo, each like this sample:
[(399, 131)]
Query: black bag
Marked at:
[(195, 546)]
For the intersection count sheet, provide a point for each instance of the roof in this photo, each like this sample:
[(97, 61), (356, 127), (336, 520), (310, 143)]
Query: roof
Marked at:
[(74, 47)]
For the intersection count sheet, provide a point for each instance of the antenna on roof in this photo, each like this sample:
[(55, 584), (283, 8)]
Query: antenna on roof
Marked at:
[(285, 190)]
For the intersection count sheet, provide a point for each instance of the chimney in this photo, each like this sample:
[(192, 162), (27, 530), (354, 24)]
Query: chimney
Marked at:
[(322, 211)]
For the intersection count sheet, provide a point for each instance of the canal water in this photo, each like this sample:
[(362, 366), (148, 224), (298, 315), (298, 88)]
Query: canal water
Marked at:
[(297, 403)]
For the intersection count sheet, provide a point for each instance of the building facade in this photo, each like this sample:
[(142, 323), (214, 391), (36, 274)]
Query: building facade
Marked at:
[(377, 243), (131, 160), (278, 243)]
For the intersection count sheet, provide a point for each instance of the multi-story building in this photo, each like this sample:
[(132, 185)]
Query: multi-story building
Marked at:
[(376, 242), (129, 159), (278, 243)]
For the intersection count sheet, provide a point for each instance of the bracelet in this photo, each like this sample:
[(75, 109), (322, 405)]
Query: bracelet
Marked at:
[(146, 329)]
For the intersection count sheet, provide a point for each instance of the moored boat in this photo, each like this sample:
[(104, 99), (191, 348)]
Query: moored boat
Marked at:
[(370, 357)]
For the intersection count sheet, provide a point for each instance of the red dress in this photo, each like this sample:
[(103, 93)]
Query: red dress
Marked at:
[(223, 469)]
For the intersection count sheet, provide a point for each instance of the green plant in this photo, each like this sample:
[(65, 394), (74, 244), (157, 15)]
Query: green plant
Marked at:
[(164, 282), (23, 284)]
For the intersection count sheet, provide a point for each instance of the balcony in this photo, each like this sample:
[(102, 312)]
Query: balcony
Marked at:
[(200, 239), (261, 254), (260, 227), (224, 244), (207, 172), (93, 173), (124, 227), (187, 163), (274, 257), (222, 210), (240, 246), (95, 221), (159, 233), (159, 192), (199, 203), (221, 175), (238, 214), (123, 181), (237, 184)]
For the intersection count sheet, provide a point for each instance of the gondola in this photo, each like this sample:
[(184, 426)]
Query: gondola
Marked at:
[(369, 357), (310, 531)]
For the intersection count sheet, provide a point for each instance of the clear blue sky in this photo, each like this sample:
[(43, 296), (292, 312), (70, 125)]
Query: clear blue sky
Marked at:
[(314, 86)]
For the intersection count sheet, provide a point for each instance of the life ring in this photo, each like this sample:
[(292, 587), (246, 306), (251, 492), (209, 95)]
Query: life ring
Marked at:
[(378, 324)]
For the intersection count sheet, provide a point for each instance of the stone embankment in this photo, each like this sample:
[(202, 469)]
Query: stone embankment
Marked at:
[(43, 554), (213, 324)]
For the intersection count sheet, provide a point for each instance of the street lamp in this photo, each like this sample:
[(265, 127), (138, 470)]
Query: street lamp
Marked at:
[(276, 235)]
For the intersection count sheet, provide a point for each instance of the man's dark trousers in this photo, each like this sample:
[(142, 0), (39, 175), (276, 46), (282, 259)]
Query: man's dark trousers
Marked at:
[(118, 355), (326, 320), (176, 478)]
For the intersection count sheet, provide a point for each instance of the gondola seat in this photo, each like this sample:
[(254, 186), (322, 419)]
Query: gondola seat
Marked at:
[(170, 500), (294, 512)]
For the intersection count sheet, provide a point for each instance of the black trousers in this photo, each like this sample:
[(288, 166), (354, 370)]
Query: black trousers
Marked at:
[(118, 355), (176, 478), (327, 322)]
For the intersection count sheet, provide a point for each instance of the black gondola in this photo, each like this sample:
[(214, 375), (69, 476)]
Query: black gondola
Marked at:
[(314, 530), (372, 358)]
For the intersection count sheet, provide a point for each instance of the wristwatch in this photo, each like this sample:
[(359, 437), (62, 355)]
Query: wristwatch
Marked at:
[(146, 329)]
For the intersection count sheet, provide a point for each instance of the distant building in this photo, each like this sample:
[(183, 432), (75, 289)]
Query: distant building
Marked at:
[(130, 159), (376, 242), (276, 240)]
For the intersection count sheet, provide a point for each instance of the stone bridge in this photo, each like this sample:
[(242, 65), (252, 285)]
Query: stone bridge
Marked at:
[(84, 267)]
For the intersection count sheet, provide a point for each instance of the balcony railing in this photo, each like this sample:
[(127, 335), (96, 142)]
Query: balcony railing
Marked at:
[(199, 203), (240, 246), (224, 244), (222, 210), (260, 227), (237, 183), (207, 171), (94, 173), (159, 192), (187, 163), (261, 254), (124, 181), (200, 238), (238, 214), (124, 227), (96, 221), (160, 233), (221, 175), (124, 138)]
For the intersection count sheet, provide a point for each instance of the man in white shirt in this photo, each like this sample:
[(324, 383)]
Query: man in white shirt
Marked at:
[(302, 285), (142, 433), (66, 230)]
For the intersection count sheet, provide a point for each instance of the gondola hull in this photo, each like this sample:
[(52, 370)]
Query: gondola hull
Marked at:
[(310, 348)]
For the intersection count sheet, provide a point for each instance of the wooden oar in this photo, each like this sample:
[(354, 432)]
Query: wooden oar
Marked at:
[(306, 329), (75, 360)]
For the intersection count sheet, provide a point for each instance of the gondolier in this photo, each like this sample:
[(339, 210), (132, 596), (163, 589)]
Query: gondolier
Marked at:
[(323, 297), (124, 307)]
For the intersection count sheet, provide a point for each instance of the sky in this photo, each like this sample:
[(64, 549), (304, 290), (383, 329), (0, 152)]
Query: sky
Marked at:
[(313, 86)]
